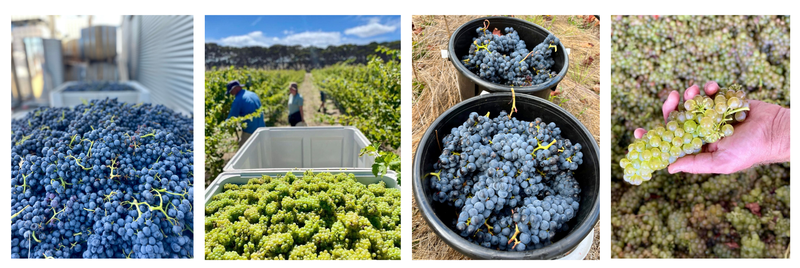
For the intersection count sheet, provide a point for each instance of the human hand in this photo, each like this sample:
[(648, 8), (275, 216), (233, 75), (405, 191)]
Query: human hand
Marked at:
[(761, 139)]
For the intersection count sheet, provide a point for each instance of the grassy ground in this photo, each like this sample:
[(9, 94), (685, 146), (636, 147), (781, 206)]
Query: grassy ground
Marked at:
[(436, 90)]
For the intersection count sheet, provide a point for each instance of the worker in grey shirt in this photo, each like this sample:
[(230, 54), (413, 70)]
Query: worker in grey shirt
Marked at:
[(244, 103), (295, 105)]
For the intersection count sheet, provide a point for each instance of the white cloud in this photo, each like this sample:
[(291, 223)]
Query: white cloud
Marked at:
[(305, 39), (373, 28), (288, 32)]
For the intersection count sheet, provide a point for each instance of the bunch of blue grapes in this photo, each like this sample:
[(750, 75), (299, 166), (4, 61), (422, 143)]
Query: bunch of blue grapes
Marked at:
[(102, 180), (99, 86), (510, 181), (505, 59)]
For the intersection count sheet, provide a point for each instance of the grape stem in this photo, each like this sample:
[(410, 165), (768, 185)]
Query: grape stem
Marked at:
[(24, 182), (90, 150), (73, 139), (152, 134), (488, 228), (160, 207), (33, 234), (56, 214), (736, 111), (485, 47), (513, 103), (725, 119), (111, 175), (539, 143), (17, 214), (78, 162), (24, 138), (514, 237)]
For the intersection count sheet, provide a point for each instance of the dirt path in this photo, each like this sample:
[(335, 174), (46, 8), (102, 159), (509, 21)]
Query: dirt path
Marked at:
[(311, 102)]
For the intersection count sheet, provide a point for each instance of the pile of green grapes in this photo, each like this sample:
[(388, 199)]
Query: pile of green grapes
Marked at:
[(682, 215), (317, 216), (699, 121)]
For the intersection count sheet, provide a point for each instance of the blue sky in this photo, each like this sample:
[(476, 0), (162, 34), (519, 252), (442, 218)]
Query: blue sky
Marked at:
[(318, 31)]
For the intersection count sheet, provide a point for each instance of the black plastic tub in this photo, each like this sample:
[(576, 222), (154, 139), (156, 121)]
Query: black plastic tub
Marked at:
[(471, 84), (529, 108)]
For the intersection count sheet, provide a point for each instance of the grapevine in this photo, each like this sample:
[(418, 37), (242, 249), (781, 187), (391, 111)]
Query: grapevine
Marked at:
[(368, 96), (384, 161)]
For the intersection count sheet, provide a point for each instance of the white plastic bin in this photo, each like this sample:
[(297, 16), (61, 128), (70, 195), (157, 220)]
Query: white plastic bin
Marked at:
[(302, 147), (61, 98), (364, 176)]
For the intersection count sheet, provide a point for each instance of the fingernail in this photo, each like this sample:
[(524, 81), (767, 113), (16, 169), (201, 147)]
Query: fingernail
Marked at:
[(673, 170)]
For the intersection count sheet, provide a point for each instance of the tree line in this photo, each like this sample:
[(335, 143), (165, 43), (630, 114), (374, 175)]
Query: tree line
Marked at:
[(291, 57)]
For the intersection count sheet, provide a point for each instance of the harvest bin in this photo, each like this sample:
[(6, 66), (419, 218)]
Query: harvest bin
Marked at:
[(363, 176), (61, 98), (471, 84), (529, 108), (302, 147)]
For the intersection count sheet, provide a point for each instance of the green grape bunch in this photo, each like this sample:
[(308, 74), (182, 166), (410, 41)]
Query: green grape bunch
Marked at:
[(320, 216), (699, 121)]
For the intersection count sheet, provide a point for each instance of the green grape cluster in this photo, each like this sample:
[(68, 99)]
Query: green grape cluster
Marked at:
[(752, 246), (319, 216), (698, 121)]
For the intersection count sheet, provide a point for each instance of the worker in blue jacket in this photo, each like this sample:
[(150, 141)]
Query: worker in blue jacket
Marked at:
[(245, 103)]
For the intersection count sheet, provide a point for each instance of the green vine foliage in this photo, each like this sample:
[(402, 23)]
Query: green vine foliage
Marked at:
[(367, 95), (384, 161), (221, 134)]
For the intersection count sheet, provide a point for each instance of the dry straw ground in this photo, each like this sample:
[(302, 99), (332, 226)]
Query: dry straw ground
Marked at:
[(435, 91)]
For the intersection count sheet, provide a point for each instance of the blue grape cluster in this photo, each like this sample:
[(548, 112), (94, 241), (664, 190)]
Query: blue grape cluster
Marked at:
[(505, 59), (510, 181), (99, 86), (102, 180)]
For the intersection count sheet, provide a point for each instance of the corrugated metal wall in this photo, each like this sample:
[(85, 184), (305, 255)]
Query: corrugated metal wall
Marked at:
[(161, 58)]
